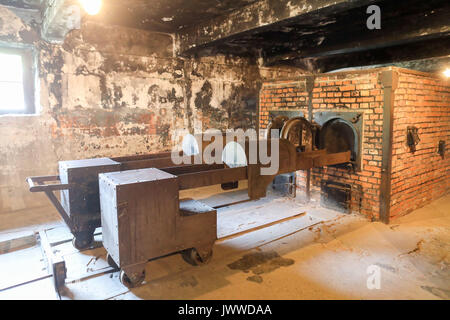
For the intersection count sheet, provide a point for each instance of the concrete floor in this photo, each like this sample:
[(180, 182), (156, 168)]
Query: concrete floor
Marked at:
[(314, 253)]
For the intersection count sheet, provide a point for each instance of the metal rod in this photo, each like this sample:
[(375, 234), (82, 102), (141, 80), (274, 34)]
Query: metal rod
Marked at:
[(60, 208)]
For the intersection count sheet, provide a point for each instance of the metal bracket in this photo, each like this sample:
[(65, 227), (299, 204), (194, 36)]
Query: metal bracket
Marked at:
[(412, 138), (357, 118), (36, 184), (441, 149)]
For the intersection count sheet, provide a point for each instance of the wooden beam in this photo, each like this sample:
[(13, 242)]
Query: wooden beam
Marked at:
[(192, 168), (142, 157), (395, 31), (256, 17), (331, 159), (411, 51), (211, 177), (150, 163)]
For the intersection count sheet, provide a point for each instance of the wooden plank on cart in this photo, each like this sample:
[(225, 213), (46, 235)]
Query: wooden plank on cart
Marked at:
[(332, 159), (55, 262)]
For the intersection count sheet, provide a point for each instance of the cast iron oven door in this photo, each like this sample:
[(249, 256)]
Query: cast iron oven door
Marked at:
[(340, 132), (336, 196), (338, 136), (284, 184)]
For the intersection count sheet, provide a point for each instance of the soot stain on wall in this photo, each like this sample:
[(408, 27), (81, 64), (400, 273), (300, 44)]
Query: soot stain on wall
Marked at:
[(167, 98), (203, 103), (111, 91)]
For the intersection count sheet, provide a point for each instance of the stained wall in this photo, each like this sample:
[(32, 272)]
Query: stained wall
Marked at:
[(113, 91)]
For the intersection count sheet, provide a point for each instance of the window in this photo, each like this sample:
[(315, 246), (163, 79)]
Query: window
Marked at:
[(16, 82)]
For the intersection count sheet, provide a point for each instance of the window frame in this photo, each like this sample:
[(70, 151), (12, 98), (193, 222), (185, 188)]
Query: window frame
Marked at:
[(28, 80)]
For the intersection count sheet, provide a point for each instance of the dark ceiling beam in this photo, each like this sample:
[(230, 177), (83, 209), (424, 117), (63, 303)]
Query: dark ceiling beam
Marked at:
[(412, 51), (432, 24), (401, 31), (432, 65), (258, 17)]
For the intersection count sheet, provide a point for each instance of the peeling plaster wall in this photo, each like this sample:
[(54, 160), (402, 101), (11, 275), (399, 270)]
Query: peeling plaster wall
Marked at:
[(110, 91)]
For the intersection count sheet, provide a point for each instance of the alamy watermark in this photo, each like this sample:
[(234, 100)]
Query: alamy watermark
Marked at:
[(374, 20), (238, 148), (374, 279)]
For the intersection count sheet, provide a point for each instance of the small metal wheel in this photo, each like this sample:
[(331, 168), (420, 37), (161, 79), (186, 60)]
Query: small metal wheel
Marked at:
[(193, 257), (132, 281), (83, 240), (111, 262)]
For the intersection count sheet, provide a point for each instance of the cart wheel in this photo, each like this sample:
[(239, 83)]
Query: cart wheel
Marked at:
[(193, 257), (111, 262), (133, 280), (83, 240)]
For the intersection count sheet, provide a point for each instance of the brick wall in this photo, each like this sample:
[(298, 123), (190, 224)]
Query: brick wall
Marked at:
[(414, 181), (361, 92), (420, 177), (282, 95)]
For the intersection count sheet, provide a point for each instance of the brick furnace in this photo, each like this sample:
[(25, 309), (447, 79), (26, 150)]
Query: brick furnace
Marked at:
[(395, 122)]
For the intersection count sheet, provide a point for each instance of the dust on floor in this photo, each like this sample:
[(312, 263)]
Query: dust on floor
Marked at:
[(318, 255)]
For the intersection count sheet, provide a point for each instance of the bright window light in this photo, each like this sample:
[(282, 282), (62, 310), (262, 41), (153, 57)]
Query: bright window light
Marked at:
[(11, 83)]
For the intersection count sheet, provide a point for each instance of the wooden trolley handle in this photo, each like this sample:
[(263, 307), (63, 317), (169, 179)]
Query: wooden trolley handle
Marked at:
[(37, 184)]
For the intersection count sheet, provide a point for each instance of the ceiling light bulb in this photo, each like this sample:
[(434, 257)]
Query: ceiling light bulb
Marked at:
[(92, 7), (447, 72)]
